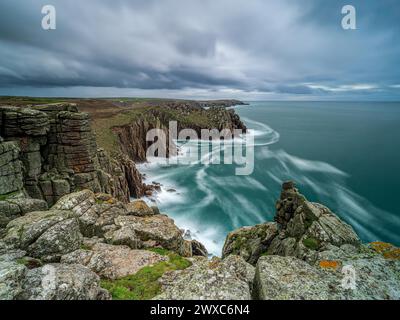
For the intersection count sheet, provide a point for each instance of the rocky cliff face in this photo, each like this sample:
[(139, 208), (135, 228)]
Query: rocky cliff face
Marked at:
[(132, 137), (50, 151)]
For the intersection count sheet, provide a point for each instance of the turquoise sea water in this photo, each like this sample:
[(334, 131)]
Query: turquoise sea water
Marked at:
[(344, 155)]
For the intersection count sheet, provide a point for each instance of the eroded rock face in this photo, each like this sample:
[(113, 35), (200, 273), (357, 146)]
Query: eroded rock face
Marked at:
[(45, 234), (62, 282), (113, 262), (103, 216), (50, 151), (307, 228), (11, 176), (228, 279), (302, 229), (250, 242)]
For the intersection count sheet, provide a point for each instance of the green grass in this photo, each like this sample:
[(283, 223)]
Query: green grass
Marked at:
[(144, 284), (311, 243), (160, 251)]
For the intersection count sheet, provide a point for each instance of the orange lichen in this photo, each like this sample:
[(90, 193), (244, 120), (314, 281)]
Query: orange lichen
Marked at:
[(110, 201), (329, 264), (388, 250), (381, 247)]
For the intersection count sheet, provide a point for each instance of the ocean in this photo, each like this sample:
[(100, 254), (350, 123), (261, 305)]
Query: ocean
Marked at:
[(344, 155)]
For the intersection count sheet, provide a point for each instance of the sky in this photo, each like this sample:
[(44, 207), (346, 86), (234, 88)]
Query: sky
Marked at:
[(201, 49)]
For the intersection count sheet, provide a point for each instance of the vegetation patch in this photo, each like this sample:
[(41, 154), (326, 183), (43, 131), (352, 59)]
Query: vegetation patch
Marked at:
[(311, 243), (144, 285), (30, 263), (388, 250)]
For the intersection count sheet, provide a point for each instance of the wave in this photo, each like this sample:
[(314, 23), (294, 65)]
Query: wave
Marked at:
[(210, 202)]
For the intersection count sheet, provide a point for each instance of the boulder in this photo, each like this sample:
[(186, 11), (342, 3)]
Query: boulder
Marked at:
[(113, 262), (62, 282), (139, 208), (45, 234), (228, 279), (151, 231)]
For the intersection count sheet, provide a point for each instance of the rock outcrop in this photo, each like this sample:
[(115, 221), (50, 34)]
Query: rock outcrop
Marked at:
[(112, 262), (302, 229), (309, 253), (50, 151), (228, 279)]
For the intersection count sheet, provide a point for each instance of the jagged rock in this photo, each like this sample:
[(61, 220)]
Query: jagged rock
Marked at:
[(250, 242), (113, 262), (228, 279), (302, 229), (198, 249), (62, 282), (307, 228), (45, 234), (139, 208)]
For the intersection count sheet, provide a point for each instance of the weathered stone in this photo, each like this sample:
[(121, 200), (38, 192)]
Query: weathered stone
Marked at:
[(198, 249), (113, 262), (45, 234), (158, 228), (11, 276), (62, 282), (139, 208), (250, 242), (371, 276), (228, 279)]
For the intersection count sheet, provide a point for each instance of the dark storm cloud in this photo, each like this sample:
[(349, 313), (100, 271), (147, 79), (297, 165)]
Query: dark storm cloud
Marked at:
[(276, 48)]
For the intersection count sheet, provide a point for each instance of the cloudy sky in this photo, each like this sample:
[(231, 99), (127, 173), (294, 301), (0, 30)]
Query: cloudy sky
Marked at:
[(248, 49)]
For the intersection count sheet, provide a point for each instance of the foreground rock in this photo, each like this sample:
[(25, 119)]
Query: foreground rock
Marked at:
[(358, 277), (62, 282), (228, 279), (45, 234), (112, 262)]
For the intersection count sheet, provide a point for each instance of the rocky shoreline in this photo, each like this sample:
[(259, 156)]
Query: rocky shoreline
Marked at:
[(68, 229)]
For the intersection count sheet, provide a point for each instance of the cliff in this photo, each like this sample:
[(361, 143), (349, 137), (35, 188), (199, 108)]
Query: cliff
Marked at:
[(50, 150)]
